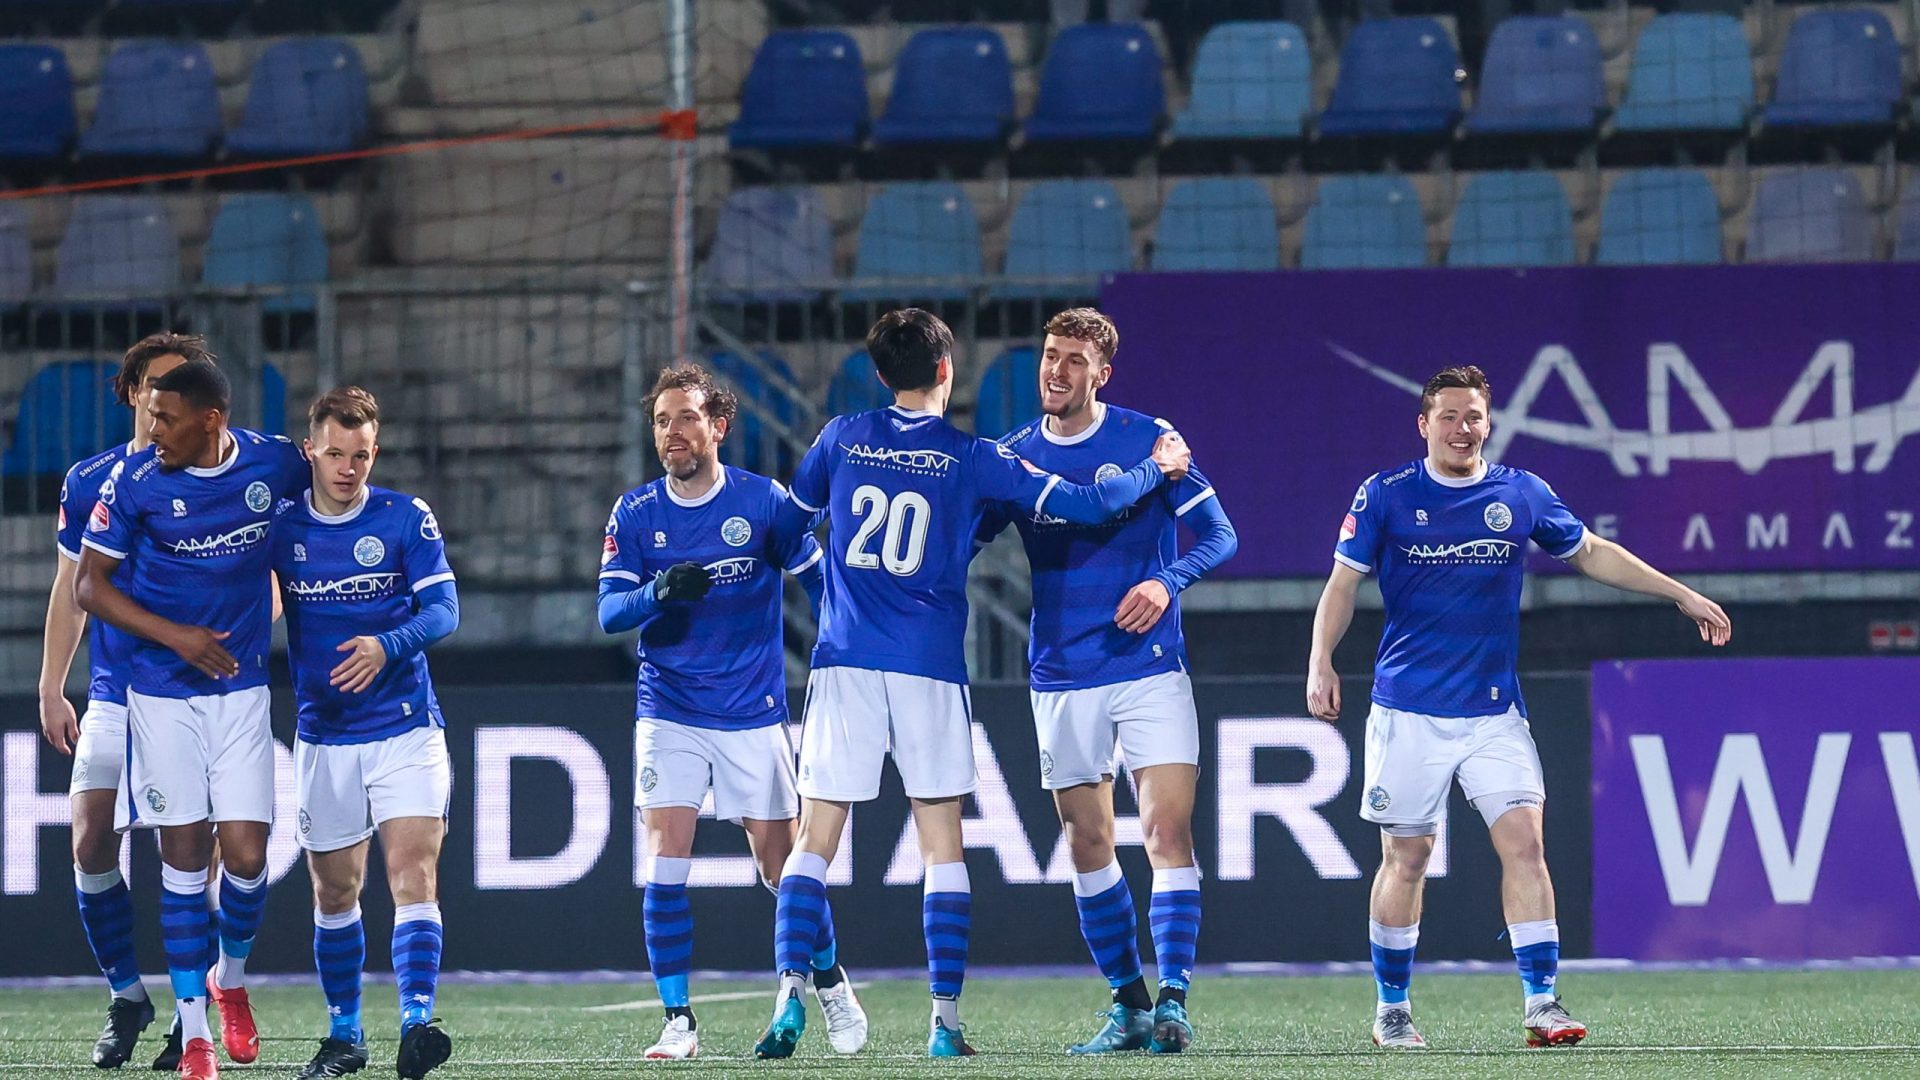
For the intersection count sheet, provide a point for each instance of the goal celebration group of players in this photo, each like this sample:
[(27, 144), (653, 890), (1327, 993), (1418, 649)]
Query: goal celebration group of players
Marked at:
[(186, 543)]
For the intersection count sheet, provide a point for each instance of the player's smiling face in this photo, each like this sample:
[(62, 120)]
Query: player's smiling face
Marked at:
[(1071, 372), (1455, 429), (342, 458), (683, 434)]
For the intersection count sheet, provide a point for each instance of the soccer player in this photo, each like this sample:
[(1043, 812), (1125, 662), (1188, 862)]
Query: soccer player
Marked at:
[(366, 589), (1109, 667), (98, 741), (1448, 535), (694, 561), (191, 515), (904, 492)]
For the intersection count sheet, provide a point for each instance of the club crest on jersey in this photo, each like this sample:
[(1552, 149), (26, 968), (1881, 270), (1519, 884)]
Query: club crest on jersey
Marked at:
[(736, 532), (179, 508), (649, 779), (368, 551), (156, 801), (1106, 472), (259, 497), (1378, 800), (1499, 517)]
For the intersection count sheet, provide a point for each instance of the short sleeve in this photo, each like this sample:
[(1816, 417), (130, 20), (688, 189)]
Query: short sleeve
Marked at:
[(71, 523), (1002, 475), (424, 549), (1192, 490), (1555, 528), (115, 518), (1359, 543), (619, 553), (810, 481), (794, 547), (296, 474)]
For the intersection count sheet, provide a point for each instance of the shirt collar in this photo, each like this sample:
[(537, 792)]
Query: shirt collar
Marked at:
[(351, 512), (1099, 417), (702, 500), (1455, 481), (233, 455)]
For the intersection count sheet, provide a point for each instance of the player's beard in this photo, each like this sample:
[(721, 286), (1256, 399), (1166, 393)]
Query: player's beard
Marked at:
[(691, 466)]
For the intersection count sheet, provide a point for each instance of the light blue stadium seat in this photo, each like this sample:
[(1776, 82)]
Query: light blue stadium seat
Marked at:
[(267, 240), (1064, 235), (157, 100), (1809, 215), (37, 122), (1364, 222), (771, 244), (1838, 69), (1251, 80), (1101, 81), (16, 253), (1217, 223), (273, 400), (750, 445), (856, 387), (950, 85), (1660, 217), (1691, 72), (1512, 219), (1397, 77), (1541, 74), (924, 232), (1009, 393), (117, 246), (67, 412), (308, 96), (1906, 226), (806, 88)]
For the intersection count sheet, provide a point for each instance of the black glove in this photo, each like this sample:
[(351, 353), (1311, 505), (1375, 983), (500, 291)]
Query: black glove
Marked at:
[(682, 583)]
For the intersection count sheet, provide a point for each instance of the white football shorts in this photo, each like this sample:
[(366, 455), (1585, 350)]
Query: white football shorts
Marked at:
[(206, 758), (1413, 759), (750, 772), (348, 791), (1152, 721), (100, 754), (856, 717)]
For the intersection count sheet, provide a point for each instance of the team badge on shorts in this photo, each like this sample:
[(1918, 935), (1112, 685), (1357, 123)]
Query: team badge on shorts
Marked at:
[(1106, 472), (648, 779), (306, 823), (1499, 518), (368, 551), (736, 532), (1046, 763), (258, 497), (156, 802), (1377, 799)]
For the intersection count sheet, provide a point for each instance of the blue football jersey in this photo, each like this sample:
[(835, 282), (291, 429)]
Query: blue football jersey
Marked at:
[(719, 662), (1451, 557), (1082, 572), (197, 543), (109, 648), (354, 575)]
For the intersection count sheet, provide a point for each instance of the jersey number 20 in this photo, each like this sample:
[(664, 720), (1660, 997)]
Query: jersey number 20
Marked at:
[(905, 516)]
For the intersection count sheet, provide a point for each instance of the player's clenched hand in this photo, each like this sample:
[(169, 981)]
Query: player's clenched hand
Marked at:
[(201, 647), (366, 656), (1170, 452), (58, 723), (1142, 606), (1715, 627), (682, 583), (1323, 695)]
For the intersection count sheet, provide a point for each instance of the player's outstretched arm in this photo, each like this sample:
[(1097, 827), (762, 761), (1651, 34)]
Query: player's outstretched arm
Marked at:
[(1610, 564), (102, 599), (65, 625), (1330, 621)]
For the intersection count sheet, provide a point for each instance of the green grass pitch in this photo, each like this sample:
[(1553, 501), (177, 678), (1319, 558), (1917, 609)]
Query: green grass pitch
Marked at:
[(1696, 1025)]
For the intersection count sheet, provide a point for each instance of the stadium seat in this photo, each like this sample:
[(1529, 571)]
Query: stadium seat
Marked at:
[(38, 120), (950, 85), (1397, 76), (308, 96), (118, 246), (1512, 219), (1068, 232), (16, 254), (1540, 74), (273, 400), (771, 244), (1251, 80), (856, 387), (267, 240), (1689, 73), (1906, 226), (1218, 223), (1009, 393), (1101, 81), (157, 100), (1659, 217), (806, 88), (1838, 69), (751, 444), (1809, 215), (67, 412), (1364, 222), (917, 232)]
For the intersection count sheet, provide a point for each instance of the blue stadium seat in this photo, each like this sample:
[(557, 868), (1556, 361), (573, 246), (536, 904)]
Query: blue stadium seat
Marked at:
[(118, 246), (750, 445), (1069, 232), (1397, 76), (917, 231), (950, 85), (771, 244), (38, 120), (1659, 217), (1218, 223), (1101, 81), (806, 88), (1809, 215), (1540, 74), (1364, 223), (157, 100), (1839, 69), (1691, 72), (16, 253), (1906, 226), (1251, 80), (267, 240), (273, 400), (308, 96), (1009, 393), (67, 412), (856, 387), (1512, 219)]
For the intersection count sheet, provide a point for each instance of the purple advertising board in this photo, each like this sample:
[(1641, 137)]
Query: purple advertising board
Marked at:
[(1756, 808), (1710, 418)]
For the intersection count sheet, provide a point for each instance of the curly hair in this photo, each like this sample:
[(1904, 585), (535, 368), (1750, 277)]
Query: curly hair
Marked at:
[(1087, 324), (718, 402), (133, 366)]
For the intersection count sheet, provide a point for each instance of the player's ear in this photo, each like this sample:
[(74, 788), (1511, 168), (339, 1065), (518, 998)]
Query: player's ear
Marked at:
[(721, 425)]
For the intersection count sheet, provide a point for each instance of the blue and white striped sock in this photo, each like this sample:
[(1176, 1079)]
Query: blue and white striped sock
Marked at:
[(800, 913), (946, 917), (1175, 916), (242, 901), (417, 941), (106, 913), (183, 929), (339, 954), (1108, 923), (667, 918)]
